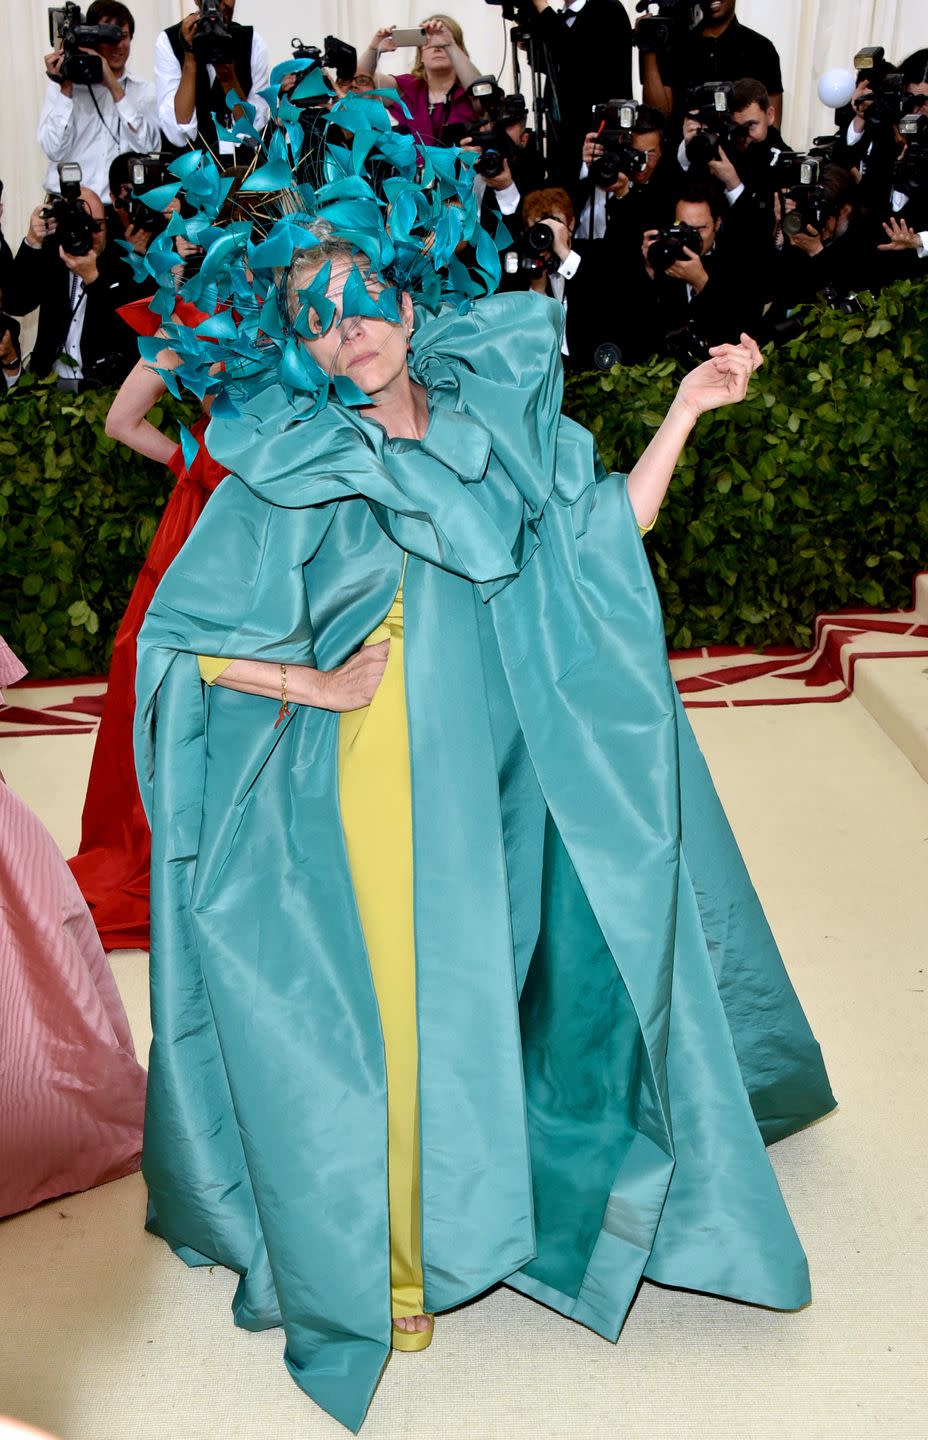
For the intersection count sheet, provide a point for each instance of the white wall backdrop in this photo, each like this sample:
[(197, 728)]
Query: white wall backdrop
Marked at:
[(811, 36)]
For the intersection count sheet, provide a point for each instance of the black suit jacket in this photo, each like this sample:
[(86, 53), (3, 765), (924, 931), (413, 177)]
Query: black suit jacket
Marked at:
[(41, 280), (730, 302), (587, 62)]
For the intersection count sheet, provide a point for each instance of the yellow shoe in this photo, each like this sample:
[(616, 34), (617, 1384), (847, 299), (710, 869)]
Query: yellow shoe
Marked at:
[(413, 1340)]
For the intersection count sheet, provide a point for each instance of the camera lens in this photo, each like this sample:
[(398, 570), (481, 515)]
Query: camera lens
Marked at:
[(539, 237)]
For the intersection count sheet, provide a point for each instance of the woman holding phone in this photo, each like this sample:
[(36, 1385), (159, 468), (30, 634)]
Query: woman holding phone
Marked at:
[(435, 90)]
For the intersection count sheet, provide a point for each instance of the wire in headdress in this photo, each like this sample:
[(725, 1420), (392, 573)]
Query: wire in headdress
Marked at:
[(407, 209)]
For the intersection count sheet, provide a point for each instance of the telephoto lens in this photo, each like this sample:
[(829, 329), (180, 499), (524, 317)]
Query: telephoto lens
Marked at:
[(539, 238)]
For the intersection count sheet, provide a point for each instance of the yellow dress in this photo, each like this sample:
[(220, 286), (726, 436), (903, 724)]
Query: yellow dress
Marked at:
[(375, 798), (376, 810)]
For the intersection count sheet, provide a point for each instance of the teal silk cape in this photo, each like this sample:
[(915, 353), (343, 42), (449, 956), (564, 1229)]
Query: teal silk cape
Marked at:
[(607, 1034)]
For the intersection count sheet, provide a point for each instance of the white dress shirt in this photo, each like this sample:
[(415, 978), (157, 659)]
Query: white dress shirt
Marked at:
[(572, 10), (71, 129), (507, 199), (557, 283), (167, 79), (69, 362)]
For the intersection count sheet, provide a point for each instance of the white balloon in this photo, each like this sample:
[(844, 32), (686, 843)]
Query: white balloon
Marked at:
[(836, 88)]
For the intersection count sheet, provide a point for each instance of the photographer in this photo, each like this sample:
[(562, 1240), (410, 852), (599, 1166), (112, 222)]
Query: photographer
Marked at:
[(721, 48), (824, 242), (197, 64), (508, 165), (65, 269), (435, 90), (123, 205), (870, 142), (548, 261), (586, 51), (704, 285), (90, 124), (744, 164), (10, 354), (617, 200)]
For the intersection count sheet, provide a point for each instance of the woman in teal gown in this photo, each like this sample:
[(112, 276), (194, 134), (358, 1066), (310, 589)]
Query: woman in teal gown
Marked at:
[(607, 1036)]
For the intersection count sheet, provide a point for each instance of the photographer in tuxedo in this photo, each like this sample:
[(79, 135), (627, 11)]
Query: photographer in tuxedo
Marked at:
[(77, 292), (613, 214), (587, 51), (704, 280)]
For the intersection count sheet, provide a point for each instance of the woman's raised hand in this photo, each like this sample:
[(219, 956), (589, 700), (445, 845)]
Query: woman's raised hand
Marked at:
[(437, 33), (354, 684), (383, 40), (722, 379)]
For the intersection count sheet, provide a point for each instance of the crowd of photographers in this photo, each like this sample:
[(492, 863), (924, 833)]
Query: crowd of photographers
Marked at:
[(662, 227)]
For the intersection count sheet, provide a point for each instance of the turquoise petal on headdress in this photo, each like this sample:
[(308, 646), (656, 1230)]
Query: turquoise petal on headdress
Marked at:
[(185, 165), (402, 205), (290, 67), (356, 299), (274, 176), (220, 326), (162, 195), (190, 449), (313, 86)]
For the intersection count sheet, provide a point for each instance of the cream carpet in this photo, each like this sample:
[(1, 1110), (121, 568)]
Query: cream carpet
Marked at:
[(106, 1336)]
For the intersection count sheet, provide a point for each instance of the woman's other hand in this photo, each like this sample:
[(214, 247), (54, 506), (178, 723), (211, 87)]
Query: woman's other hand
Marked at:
[(722, 379), (383, 41), (354, 684)]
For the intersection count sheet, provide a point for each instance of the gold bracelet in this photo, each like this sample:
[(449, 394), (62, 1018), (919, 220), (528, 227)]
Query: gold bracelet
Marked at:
[(284, 706)]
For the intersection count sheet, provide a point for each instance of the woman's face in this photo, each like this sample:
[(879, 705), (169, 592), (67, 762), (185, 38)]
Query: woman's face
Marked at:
[(371, 352)]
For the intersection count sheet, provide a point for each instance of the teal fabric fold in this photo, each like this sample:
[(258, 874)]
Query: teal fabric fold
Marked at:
[(607, 1033)]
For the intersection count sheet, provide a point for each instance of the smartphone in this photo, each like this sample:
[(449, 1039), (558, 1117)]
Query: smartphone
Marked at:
[(409, 37)]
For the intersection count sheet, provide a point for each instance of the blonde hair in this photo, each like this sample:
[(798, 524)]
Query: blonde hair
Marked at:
[(418, 69)]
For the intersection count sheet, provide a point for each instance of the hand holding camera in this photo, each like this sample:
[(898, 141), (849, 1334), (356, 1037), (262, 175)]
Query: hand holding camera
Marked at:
[(76, 59), (724, 169), (42, 224)]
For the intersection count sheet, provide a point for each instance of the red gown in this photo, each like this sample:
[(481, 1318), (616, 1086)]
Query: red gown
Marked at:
[(111, 866)]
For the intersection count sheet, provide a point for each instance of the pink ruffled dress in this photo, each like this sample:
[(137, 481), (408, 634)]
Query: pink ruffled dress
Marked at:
[(72, 1094)]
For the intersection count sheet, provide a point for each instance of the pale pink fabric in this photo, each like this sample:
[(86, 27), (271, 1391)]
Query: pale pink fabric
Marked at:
[(72, 1094)]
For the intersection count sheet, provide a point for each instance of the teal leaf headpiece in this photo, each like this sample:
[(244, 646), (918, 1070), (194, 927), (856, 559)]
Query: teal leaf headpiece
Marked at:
[(408, 209)]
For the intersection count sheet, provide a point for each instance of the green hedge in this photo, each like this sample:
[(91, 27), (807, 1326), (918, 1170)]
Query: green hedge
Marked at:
[(77, 514), (809, 496)]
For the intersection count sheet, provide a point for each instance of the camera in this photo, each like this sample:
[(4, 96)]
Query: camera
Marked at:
[(75, 226), (686, 346), (847, 302), (887, 100), (145, 173), (335, 55), (910, 172), (489, 136), (613, 123), (710, 106), (212, 39), (65, 23), (534, 252), (665, 24), (671, 244), (799, 180)]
